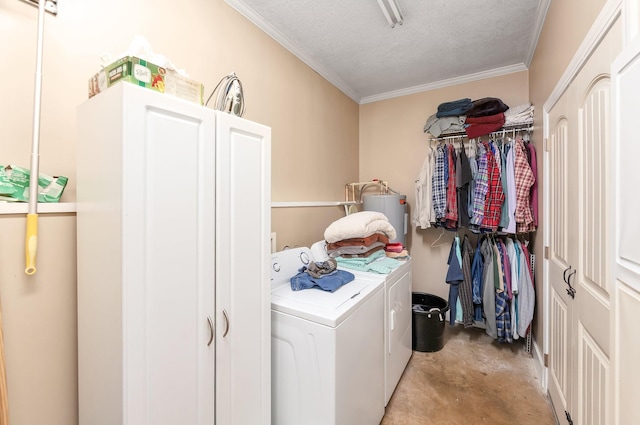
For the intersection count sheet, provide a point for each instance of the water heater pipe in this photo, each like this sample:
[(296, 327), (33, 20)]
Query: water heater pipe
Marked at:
[(31, 237)]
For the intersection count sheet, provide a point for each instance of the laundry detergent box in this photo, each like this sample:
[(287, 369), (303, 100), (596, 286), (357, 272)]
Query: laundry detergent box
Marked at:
[(14, 185), (146, 74)]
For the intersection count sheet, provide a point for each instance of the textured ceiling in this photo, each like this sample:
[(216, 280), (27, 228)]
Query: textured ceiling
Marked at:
[(441, 42)]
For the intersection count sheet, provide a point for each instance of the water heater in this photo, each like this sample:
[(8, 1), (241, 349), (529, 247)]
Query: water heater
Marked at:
[(394, 207)]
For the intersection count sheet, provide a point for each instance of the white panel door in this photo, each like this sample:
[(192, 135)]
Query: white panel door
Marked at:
[(563, 203), (243, 296), (626, 236), (580, 295)]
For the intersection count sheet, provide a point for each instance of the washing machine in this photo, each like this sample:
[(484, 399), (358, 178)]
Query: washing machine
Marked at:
[(327, 368), (397, 317)]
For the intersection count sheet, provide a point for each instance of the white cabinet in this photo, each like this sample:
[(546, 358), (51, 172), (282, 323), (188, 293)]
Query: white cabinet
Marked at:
[(173, 252)]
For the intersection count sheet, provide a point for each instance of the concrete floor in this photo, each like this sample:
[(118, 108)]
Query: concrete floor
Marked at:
[(473, 380)]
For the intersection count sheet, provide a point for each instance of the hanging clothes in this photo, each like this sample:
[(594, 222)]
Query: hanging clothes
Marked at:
[(439, 193), (533, 195), (424, 213), (451, 215), (465, 290), (524, 180), (481, 187), (454, 277), (463, 180), (495, 196)]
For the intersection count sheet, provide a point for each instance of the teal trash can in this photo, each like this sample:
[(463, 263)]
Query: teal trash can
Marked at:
[(429, 316)]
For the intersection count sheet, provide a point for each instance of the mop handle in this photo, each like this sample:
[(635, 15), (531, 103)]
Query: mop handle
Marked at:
[(31, 238)]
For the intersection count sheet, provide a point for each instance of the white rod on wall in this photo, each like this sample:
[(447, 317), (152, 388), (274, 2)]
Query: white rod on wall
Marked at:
[(50, 6)]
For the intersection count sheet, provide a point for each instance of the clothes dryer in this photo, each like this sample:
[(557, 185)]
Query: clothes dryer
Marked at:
[(327, 368), (397, 317)]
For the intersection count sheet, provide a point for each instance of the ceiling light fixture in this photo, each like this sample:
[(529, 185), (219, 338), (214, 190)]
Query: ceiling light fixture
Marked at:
[(391, 11)]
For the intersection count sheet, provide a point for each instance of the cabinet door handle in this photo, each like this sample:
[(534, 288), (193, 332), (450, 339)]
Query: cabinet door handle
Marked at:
[(226, 321), (212, 334)]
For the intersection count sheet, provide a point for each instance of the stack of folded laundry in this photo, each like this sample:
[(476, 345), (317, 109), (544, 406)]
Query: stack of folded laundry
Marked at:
[(476, 118), (486, 116), (322, 275), (520, 114), (358, 242), (396, 250), (450, 117)]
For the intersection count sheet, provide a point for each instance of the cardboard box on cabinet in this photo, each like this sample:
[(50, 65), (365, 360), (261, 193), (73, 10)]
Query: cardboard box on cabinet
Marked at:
[(146, 74)]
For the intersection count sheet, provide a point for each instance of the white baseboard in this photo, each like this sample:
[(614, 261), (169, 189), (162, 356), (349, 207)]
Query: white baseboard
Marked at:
[(538, 362)]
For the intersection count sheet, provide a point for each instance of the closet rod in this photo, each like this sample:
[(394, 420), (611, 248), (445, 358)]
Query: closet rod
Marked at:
[(463, 135)]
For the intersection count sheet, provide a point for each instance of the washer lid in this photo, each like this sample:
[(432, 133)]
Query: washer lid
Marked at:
[(328, 308)]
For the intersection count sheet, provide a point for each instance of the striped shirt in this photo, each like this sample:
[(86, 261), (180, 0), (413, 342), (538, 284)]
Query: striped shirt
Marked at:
[(524, 180), (438, 186), (451, 215), (495, 195), (481, 187)]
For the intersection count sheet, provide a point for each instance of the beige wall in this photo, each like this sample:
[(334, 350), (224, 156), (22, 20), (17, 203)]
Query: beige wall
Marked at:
[(393, 147), (565, 27), (321, 140), (314, 150)]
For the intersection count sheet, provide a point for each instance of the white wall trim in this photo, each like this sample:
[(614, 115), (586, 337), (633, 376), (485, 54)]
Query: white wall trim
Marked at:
[(538, 363), (607, 17), (497, 72), (9, 208), (541, 15)]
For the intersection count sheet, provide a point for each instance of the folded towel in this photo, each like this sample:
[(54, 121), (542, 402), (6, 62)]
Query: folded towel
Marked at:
[(394, 247), (377, 263), (354, 249), (359, 225), (376, 237), (519, 115)]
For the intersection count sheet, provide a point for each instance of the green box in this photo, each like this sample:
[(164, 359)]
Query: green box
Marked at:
[(146, 74), (14, 185)]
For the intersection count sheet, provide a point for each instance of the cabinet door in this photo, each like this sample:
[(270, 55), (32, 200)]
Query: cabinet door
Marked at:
[(243, 298), (145, 247), (168, 276)]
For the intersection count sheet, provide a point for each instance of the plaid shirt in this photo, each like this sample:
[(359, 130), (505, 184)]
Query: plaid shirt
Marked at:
[(438, 185), (524, 180), (503, 318), (481, 187), (495, 195), (451, 215)]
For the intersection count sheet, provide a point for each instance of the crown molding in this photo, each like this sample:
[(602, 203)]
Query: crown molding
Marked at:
[(497, 72), (541, 15)]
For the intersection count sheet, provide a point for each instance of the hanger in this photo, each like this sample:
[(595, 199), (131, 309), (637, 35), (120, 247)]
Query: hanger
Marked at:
[(433, 244)]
